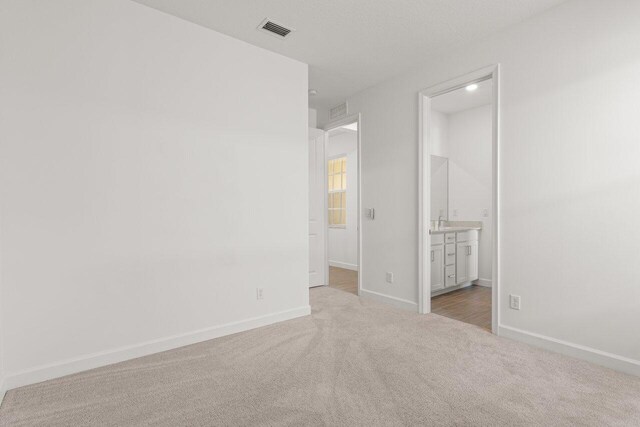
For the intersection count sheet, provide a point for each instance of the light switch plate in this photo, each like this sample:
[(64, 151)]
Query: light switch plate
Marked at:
[(514, 302)]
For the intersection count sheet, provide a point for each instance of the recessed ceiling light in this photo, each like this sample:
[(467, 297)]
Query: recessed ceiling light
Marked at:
[(472, 87), (313, 92)]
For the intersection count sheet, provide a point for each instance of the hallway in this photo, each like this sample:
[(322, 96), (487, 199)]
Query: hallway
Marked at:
[(343, 279)]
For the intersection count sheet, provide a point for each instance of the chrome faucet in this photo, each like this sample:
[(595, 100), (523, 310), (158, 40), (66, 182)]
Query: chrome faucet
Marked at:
[(440, 221)]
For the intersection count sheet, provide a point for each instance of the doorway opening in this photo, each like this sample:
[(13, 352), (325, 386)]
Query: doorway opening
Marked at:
[(342, 207), (459, 199), (334, 205)]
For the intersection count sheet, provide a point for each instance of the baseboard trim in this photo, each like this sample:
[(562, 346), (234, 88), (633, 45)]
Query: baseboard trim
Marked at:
[(483, 282), (602, 358), (96, 360), (387, 299), (344, 265)]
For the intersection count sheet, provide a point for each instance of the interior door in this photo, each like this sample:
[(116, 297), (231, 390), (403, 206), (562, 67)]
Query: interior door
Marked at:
[(317, 211)]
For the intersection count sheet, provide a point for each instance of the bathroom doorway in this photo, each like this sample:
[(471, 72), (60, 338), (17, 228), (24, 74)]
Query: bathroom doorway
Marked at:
[(458, 261)]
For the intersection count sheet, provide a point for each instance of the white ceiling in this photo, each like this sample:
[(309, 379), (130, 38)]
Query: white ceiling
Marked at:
[(354, 44), (461, 99)]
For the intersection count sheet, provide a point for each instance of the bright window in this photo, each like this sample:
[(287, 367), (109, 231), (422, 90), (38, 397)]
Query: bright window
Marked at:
[(337, 173)]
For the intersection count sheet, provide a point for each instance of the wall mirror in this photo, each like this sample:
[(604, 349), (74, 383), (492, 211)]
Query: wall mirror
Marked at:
[(439, 188)]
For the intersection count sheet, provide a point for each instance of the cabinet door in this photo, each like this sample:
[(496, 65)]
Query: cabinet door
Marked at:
[(449, 276), (437, 267), (472, 260), (462, 266)]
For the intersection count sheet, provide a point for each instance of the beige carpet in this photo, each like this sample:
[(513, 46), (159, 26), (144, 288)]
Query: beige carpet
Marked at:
[(352, 362)]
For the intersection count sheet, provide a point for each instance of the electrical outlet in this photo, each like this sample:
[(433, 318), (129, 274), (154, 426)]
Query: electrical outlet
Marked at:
[(259, 294), (389, 277), (485, 213), (514, 302), (455, 212)]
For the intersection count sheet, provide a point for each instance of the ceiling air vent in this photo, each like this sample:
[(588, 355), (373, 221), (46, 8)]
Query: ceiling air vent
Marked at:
[(338, 111), (275, 29)]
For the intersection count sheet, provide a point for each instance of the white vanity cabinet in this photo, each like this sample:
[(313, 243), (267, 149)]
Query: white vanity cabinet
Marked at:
[(466, 256), (454, 259), (437, 262), (449, 260)]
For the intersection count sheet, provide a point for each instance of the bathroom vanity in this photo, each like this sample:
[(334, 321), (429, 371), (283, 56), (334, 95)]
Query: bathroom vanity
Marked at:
[(454, 258), (454, 243)]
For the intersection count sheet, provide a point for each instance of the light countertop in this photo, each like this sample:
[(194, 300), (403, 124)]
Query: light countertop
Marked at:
[(453, 229)]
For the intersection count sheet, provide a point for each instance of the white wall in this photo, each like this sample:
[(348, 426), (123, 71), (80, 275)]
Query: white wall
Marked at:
[(470, 168), (569, 175), (322, 117), (343, 242), (2, 382), (141, 159), (313, 118)]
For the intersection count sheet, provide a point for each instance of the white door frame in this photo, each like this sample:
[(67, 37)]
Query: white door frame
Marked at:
[(424, 192), (353, 118)]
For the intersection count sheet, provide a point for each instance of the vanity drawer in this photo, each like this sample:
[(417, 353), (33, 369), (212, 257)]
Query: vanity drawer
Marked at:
[(467, 236), (450, 237), (449, 276), (450, 254), (437, 239), (462, 236)]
